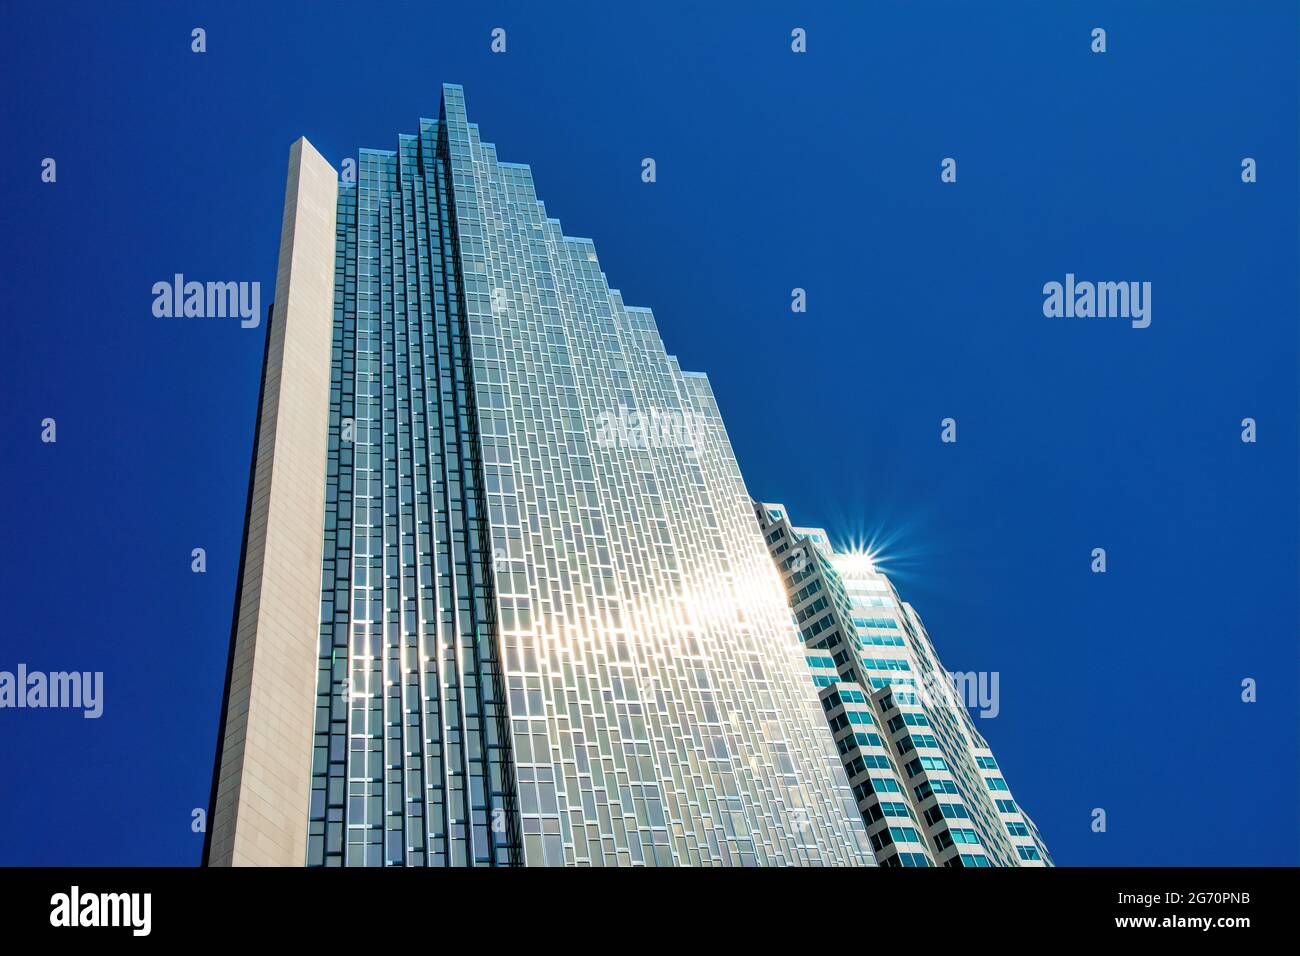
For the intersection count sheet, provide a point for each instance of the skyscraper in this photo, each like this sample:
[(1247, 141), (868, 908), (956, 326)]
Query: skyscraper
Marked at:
[(926, 783), (502, 598)]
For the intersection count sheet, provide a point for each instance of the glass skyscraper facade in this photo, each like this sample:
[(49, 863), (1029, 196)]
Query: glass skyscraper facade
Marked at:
[(926, 783), (546, 628)]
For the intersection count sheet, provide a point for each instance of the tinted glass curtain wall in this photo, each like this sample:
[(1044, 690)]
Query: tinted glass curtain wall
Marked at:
[(411, 761), (549, 630)]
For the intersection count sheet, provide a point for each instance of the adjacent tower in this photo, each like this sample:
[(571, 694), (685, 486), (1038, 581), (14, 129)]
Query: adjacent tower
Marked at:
[(502, 599), (926, 783)]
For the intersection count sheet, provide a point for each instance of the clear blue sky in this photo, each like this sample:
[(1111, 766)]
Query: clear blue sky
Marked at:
[(820, 171)]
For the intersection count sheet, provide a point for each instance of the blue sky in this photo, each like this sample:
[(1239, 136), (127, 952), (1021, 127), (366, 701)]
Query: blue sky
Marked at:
[(775, 171)]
